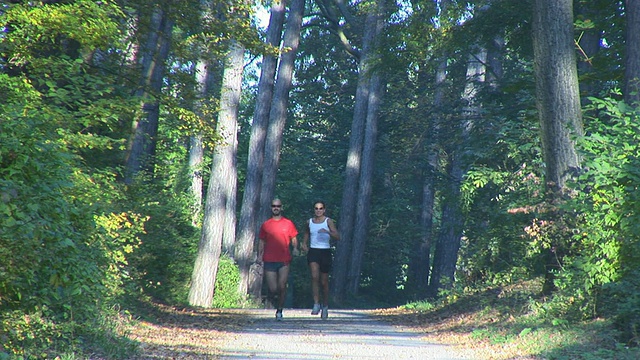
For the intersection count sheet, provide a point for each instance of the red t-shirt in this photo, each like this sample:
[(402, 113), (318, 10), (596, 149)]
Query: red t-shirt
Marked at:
[(277, 235)]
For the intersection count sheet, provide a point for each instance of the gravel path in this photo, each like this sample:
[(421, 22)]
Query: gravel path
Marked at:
[(346, 334)]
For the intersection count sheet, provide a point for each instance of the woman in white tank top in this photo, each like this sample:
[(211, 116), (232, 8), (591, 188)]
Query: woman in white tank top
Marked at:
[(317, 243)]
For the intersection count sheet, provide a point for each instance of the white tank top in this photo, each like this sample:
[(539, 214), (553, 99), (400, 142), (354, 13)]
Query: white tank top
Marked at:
[(319, 240)]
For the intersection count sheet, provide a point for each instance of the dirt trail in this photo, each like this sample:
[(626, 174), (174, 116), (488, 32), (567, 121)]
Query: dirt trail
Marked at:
[(254, 334)]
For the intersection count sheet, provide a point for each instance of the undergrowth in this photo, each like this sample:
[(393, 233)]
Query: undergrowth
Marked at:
[(511, 322)]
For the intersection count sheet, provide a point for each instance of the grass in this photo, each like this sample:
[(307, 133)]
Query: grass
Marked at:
[(503, 323)]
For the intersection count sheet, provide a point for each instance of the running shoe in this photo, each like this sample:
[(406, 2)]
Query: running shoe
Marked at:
[(316, 309), (279, 315), (325, 312)]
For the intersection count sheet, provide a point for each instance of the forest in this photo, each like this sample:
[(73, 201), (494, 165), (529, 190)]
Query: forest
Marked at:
[(456, 144)]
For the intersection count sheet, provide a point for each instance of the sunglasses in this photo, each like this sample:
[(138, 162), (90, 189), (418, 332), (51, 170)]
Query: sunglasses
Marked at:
[(276, 206), (318, 208)]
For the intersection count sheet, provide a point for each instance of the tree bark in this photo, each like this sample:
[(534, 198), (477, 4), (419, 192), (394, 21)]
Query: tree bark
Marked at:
[(206, 88), (221, 183), (278, 113), (632, 59), (421, 262), (448, 241), (196, 158), (557, 95), (361, 226), (142, 144), (558, 103), (365, 181), (248, 224), (353, 166)]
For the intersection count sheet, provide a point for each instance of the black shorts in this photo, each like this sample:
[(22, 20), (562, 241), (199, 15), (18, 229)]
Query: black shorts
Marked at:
[(274, 266), (323, 257)]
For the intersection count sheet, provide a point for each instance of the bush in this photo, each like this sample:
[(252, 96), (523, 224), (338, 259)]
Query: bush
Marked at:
[(227, 280)]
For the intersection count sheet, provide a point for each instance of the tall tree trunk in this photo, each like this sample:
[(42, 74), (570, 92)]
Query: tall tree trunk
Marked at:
[(448, 242), (221, 183), (421, 262), (363, 203), (558, 104), (278, 113), (205, 80), (196, 158), (361, 226), (142, 144), (557, 96), (248, 223), (230, 219), (632, 59), (354, 158), (278, 117)]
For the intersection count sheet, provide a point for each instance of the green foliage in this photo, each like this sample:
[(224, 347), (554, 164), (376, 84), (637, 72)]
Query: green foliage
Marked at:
[(608, 239), (164, 261), (226, 289), (64, 226), (67, 251), (419, 306), (598, 274)]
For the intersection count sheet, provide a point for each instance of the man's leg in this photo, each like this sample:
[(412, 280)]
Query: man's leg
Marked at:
[(283, 275), (272, 285)]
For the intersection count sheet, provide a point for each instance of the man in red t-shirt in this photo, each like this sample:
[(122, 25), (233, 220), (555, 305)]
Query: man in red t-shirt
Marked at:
[(276, 235)]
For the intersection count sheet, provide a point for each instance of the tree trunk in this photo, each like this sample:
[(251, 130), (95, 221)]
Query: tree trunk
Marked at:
[(248, 224), (278, 118), (361, 226), (632, 60), (230, 219), (374, 97), (196, 158), (420, 263), (206, 88), (557, 96), (221, 182), (354, 157), (278, 114), (448, 242), (420, 268), (558, 104), (142, 145)]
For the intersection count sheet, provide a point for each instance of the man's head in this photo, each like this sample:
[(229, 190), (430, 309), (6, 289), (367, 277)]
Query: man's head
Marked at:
[(276, 207)]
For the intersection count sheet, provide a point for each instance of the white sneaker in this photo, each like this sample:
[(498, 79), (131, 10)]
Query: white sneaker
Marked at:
[(316, 309), (325, 312), (278, 315)]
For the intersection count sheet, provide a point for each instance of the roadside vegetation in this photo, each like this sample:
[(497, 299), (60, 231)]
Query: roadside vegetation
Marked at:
[(512, 322)]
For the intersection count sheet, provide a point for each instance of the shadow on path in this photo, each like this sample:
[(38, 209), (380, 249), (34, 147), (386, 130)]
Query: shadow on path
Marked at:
[(347, 334)]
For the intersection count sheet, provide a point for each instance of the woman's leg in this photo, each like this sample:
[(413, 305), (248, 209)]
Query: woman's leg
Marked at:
[(315, 281), (324, 279)]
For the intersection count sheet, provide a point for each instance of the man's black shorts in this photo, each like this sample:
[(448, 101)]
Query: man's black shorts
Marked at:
[(274, 266), (323, 257)]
